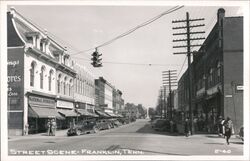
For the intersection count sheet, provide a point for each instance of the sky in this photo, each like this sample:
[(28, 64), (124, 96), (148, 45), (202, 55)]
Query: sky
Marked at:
[(84, 27)]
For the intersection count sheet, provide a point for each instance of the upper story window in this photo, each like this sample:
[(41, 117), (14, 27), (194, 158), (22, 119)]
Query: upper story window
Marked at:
[(42, 76), (50, 78), (32, 73), (58, 83), (70, 87), (64, 86)]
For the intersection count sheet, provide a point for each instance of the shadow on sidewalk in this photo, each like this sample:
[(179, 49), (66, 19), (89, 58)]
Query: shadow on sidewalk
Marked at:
[(147, 129)]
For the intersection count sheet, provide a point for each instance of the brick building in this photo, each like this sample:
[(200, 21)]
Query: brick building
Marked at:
[(217, 75)]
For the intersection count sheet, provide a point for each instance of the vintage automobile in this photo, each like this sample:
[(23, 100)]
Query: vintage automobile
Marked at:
[(103, 124), (84, 127), (160, 124), (115, 122), (123, 120)]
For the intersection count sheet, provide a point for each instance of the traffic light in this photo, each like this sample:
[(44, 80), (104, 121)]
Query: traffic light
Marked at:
[(96, 61)]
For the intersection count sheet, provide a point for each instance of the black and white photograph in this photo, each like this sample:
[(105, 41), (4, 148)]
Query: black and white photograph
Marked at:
[(123, 80)]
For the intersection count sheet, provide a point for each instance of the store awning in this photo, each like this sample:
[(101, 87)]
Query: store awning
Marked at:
[(112, 114), (67, 113), (84, 112), (119, 115), (102, 114), (42, 112)]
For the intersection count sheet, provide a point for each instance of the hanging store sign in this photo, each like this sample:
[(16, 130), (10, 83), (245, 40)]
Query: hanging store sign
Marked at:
[(64, 104), (239, 88), (42, 102)]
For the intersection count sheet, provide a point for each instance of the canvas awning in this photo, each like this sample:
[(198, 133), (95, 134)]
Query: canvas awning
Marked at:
[(102, 114), (84, 112), (43, 112), (67, 113), (112, 114)]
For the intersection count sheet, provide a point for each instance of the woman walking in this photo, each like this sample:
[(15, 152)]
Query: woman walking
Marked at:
[(229, 130)]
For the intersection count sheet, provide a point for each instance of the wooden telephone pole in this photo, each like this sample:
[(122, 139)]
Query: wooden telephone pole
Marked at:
[(169, 79), (188, 46)]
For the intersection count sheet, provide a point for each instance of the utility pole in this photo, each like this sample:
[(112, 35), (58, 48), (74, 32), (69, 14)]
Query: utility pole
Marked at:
[(188, 46), (170, 79)]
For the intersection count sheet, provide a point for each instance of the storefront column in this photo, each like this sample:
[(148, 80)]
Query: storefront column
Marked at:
[(25, 116)]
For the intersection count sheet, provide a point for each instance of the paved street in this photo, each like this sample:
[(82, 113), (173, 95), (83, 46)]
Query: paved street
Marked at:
[(134, 138)]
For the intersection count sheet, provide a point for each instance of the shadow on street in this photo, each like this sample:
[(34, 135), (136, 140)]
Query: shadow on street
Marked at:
[(149, 130)]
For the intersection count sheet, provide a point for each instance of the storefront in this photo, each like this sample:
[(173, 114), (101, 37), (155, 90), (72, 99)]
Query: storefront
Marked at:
[(85, 111), (40, 110), (66, 110)]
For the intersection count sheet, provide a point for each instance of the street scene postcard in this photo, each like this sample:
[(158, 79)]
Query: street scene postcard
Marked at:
[(122, 80)]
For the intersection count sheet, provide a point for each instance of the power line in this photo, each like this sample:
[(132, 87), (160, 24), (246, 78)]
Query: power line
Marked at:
[(133, 29), (127, 63)]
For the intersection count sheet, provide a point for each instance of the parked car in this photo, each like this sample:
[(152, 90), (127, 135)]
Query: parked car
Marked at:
[(115, 122), (123, 120), (241, 133), (103, 124), (160, 125), (83, 127)]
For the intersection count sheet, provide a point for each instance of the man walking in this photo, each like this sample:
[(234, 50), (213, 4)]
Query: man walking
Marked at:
[(228, 124)]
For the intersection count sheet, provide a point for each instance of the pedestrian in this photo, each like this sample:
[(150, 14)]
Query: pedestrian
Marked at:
[(187, 127), (220, 125), (229, 130), (26, 129), (49, 130), (53, 127)]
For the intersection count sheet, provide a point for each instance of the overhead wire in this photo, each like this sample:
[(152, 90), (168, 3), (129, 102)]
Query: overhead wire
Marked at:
[(133, 29)]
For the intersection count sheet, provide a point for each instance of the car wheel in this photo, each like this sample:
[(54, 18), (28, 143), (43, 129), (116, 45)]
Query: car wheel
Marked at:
[(78, 132), (96, 130)]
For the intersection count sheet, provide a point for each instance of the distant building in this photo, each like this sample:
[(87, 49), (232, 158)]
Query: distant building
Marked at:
[(104, 95), (84, 91)]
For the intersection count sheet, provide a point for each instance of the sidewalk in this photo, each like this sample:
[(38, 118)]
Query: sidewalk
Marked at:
[(59, 133)]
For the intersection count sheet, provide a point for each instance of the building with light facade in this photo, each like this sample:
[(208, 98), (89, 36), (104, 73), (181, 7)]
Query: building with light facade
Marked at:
[(84, 88)]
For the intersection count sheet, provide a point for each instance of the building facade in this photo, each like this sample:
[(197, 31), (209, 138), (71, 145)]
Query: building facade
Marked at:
[(104, 95), (217, 73), (84, 95), (33, 68)]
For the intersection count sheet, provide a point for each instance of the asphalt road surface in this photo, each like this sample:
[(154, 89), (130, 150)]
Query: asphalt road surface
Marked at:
[(136, 138)]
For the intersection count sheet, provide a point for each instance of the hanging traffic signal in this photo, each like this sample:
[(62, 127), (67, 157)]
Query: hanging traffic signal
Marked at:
[(96, 60)]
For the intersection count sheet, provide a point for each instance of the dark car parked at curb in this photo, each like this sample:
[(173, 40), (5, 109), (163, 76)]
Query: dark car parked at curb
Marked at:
[(160, 125), (84, 127), (103, 124), (115, 123), (123, 120)]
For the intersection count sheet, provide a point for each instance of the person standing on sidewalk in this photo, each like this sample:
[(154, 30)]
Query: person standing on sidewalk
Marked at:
[(53, 127), (187, 127), (49, 132), (229, 130)]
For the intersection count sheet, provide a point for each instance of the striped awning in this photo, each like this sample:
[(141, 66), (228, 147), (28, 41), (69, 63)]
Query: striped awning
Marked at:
[(84, 112), (67, 113), (102, 114), (42, 112)]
